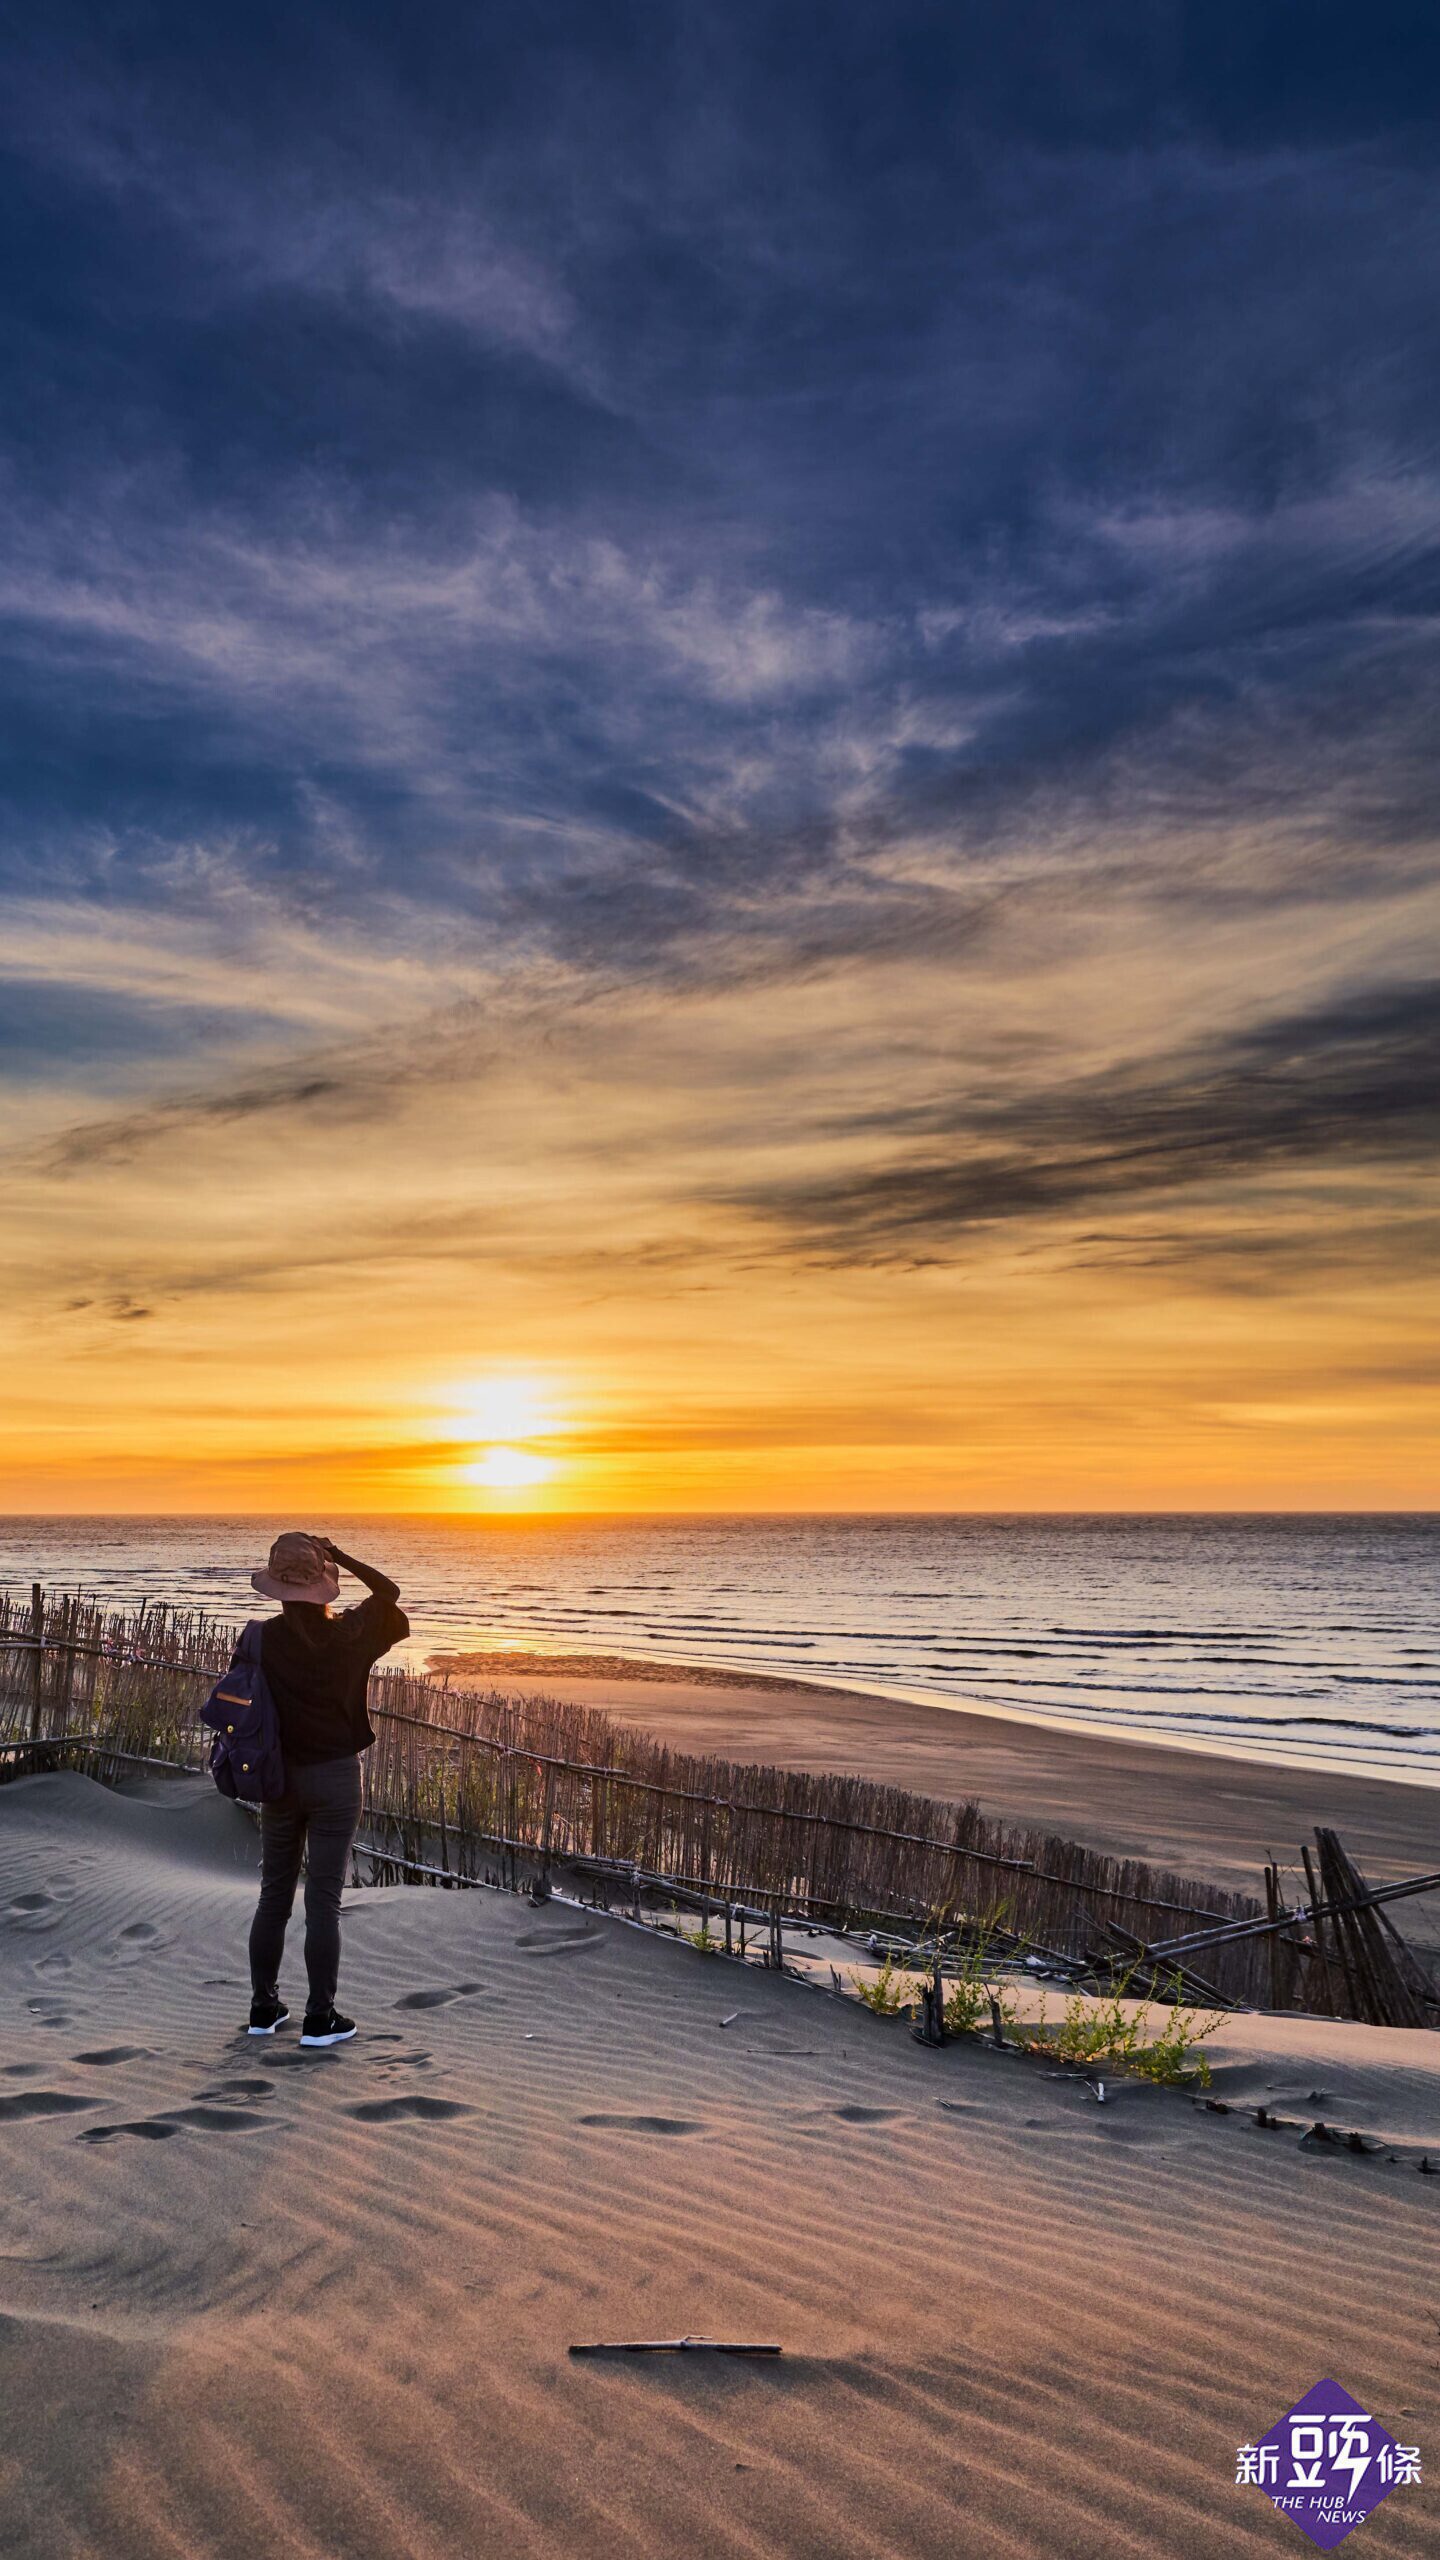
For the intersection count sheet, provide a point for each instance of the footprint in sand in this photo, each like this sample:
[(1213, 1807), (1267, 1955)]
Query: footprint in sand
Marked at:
[(48, 2013), (42, 2102), (52, 1968), (154, 2130), (129, 1945), (391, 2110), (548, 1942), (868, 2115), (644, 2124), (218, 2119), (438, 1999), (100, 2057), (26, 1903), (231, 2090), (21, 2070), (199, 2119)]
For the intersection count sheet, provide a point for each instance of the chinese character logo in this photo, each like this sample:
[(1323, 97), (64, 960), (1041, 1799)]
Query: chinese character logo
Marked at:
[(1327, 2464)]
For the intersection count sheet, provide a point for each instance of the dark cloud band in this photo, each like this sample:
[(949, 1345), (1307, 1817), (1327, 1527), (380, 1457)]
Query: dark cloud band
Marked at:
[(1354, 1084)]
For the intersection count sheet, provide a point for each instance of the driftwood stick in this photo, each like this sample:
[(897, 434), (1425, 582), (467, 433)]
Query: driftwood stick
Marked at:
[(673, 2347)]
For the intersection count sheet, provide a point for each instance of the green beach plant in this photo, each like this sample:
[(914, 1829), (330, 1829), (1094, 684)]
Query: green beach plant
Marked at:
[(972, 1984), (1106, 2032), (893, 1990), (1174, 2059), (1097, 2030)]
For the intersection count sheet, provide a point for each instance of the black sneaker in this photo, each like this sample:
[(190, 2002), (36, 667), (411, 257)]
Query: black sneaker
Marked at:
[(266, 2016), (329, 2028)]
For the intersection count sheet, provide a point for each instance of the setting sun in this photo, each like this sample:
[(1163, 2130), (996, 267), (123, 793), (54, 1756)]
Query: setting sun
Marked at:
[(504, 1411), (504, 1408), (503, 1469)]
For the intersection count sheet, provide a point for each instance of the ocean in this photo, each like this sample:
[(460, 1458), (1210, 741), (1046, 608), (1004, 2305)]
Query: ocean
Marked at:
[(1309, 1640)]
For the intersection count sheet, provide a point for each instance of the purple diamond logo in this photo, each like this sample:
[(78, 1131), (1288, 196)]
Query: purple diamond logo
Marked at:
[(1327, 2464)]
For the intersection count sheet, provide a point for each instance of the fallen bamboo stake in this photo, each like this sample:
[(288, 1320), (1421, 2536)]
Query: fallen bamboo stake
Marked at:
[(1192, 1984), (1227, 1935)]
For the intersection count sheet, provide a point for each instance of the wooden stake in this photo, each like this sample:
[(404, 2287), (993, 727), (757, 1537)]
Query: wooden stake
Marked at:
[(1318, 1926), (1272, 1905), (931, 2029), (545, 1827), (37, 1666), (1392, 1985)]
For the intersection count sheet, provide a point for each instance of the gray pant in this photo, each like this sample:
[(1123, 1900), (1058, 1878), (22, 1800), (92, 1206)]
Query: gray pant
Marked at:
[(318, 1813)]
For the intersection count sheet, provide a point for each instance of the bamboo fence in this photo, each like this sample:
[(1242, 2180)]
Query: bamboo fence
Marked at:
[(461, 1784)]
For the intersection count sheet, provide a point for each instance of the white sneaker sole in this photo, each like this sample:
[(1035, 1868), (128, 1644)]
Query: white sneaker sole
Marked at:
[(343, 2037), (265, 2031)]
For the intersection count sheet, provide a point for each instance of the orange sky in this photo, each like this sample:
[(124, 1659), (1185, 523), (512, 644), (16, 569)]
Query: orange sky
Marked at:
[(639, 1241)]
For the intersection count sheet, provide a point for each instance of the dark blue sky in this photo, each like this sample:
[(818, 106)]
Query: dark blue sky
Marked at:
[(486, 452)]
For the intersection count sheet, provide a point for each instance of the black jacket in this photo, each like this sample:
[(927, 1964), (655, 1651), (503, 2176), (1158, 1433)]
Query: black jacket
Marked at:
[(319, 1667)]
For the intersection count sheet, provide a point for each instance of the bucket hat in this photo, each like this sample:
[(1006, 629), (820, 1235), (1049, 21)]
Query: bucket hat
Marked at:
[(298, 1569)]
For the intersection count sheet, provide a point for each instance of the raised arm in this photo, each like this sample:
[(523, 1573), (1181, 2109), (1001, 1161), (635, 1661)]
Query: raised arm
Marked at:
[(378, 1583)]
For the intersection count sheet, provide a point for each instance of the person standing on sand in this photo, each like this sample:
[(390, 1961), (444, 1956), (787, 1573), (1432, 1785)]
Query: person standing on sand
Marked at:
[(318, 1671)]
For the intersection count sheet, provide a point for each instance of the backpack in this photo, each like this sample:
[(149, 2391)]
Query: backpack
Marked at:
[(245, 1756)]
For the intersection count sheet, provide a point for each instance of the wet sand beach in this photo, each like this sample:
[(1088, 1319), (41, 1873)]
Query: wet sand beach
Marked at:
[(1200, 1812)]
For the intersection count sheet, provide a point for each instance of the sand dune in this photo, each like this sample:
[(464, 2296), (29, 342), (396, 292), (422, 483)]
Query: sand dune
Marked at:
[(254, 2300)]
